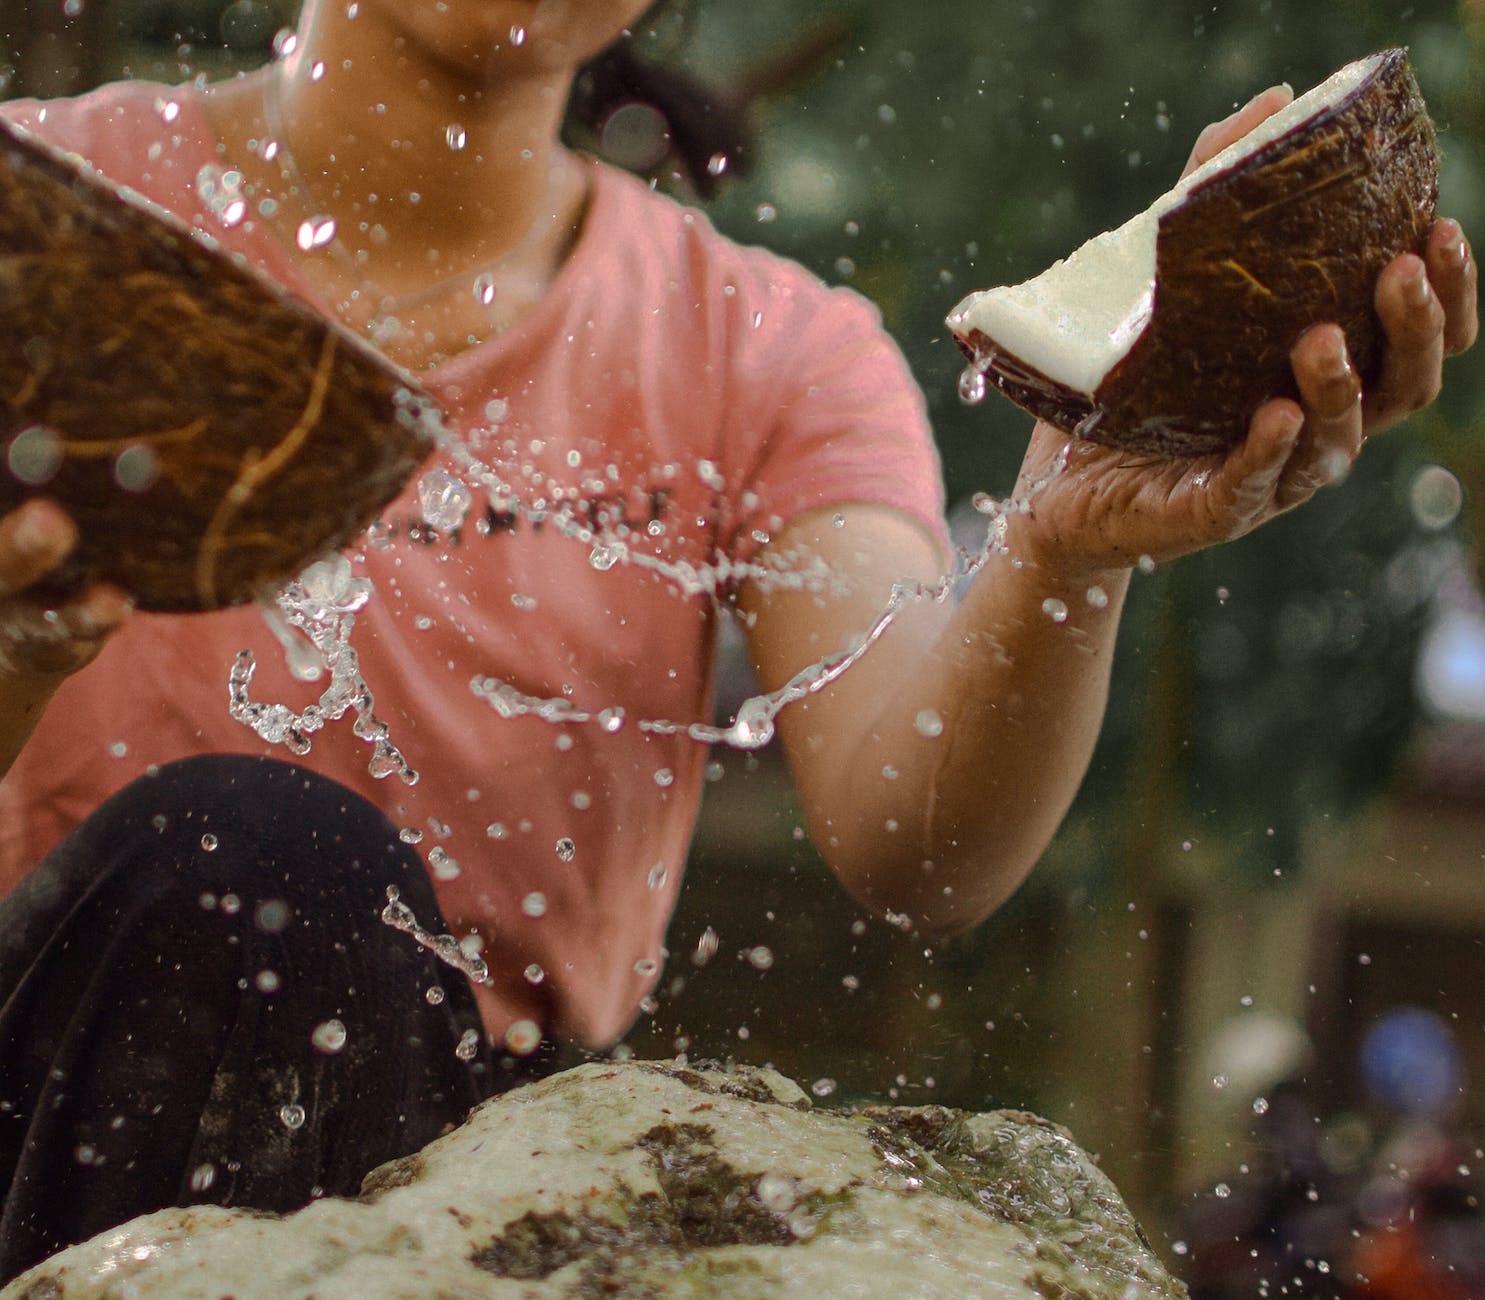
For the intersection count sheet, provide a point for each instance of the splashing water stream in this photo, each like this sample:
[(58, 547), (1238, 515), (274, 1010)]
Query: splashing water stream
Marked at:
[(322, 603), (754, 724), (445, 947)]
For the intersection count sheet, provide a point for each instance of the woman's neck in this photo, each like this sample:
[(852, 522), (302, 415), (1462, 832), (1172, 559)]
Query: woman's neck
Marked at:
[(433, 153), (431, 175)]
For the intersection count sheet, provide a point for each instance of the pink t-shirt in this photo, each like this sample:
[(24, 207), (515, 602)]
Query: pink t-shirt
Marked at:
[(678, 392)]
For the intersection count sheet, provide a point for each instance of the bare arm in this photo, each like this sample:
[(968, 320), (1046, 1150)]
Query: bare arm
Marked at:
[(41, 646), (935, 770)]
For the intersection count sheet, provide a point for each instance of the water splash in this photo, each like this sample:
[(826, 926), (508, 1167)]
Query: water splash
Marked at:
[(755, 723), (322, 603), (445, 947), (445, 501)]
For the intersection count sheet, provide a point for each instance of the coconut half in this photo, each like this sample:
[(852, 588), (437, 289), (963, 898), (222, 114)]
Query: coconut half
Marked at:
[(1166, 334), (209, 434)]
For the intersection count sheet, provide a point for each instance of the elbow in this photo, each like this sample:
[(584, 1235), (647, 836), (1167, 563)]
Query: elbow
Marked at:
[(938, 899)]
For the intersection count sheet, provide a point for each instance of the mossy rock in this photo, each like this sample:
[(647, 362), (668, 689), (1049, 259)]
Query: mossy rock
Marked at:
[(667, 1180)]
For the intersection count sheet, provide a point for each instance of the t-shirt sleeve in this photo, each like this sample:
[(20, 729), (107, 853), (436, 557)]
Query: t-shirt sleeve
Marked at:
[(825, 410)]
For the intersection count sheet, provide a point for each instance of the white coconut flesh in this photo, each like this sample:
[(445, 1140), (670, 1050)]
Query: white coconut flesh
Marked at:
[(1079, 318)]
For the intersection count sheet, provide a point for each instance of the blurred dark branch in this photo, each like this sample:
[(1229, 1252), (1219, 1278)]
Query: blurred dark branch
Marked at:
[(705, 120)]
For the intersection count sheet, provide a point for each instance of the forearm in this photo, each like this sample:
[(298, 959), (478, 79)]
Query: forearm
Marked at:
[(958, 780)]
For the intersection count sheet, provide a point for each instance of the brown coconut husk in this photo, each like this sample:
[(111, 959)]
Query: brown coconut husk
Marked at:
[(254, 434), (1293, 234)]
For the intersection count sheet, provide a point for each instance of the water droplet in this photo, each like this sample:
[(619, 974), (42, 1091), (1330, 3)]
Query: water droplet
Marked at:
[(767, 213), (566, 849), (328, 1037), (1098, 598), (611, 720), (972, 386), (456, 137), (534, 974), (1055, 609), (137, 468), (603, 557), (484, 289), (776, 1193), (169, 110), (523, 1037), (209, 842), (1260, 1105), (716, 165), (706, 947), (1222, 1191), (1435, 497), (35, 455), (534, 904), (271, 916), (928, 723), (823, 1087), (468, 1045), (444, 500), (664, 778), (267, 980), (285, 41), (1219, 1081), (760, 957), (410, 835), (315, 232), (433, 996), (753, 727), (442, 865), (646, 966), (202, 1177), (291, 1116), (657, 876), (518, 35), (1146, 564)]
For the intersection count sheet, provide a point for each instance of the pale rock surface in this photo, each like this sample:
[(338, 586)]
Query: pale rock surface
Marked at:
[(665, 1180)]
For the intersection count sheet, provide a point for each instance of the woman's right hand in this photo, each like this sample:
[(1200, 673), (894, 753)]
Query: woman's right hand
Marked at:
[(39, 640)]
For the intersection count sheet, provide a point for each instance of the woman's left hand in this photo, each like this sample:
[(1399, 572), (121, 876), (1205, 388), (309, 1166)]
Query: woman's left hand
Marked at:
[(1107, 508)]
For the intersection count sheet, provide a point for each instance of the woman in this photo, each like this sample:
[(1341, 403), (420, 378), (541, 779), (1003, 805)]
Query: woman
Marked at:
[(620, 366)]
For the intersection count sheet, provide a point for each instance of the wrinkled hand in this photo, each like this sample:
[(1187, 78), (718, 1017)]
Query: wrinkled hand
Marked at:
[(36, 639), (1108, 507)]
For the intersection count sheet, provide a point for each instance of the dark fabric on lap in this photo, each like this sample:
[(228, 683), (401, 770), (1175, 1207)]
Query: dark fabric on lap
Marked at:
[(168, 976)]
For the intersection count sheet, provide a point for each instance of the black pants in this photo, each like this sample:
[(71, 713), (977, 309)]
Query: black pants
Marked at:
[(174, 982)]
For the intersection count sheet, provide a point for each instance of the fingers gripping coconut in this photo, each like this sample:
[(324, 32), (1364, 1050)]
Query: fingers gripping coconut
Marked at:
[(42, 641), (39, 637), (1224, 354)]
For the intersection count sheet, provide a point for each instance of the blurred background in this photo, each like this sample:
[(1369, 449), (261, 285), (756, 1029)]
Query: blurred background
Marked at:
[(1250, 974)]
